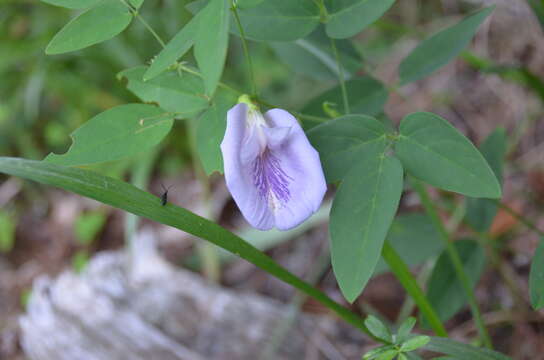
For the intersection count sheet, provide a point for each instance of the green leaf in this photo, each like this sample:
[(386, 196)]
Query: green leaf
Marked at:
[(536, 278), (210, 132), (415, 343), (313, 56), (462, 351), (349, 17), (136, 3), (406, 328), (129, 198), (93, 26), (372, 354), (415, 239), (481, 212), (280, 20), (402, 357), (361, 214), (378, 329), (211, 42), (494, 149), (341, 143), (7, 231), (445, 291), (387, 355), (174, 49), (180, 94), (432, 150), (73, 4), (116, 133), (244, 4), (412, 356), (88, 225), (306, 59), (436, 51), (365, 95)]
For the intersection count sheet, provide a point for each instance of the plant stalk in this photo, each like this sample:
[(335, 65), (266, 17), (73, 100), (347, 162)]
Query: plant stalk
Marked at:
[(246, 49), (405, 277), (455, 259), (341, 77)]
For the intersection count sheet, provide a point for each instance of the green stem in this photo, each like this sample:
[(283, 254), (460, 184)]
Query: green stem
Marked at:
[(260, 101), (148, 27), (310, 117), (504, 270), (245, 47), (144, 23), (403, 274), (519, 217), (124, 196), (222, 84), (341, 77), (455, 259), (323, 13)]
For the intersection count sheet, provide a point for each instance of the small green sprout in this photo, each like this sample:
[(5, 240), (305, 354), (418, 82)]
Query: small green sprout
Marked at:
[(397, 345)]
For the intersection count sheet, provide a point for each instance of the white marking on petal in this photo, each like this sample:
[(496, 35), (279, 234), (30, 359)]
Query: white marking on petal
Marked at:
[(271, 181)]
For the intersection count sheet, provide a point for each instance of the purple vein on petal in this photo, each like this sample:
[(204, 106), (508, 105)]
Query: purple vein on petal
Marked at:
[(270, 180)]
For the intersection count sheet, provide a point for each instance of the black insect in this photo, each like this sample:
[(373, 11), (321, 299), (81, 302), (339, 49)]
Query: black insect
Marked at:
[(164, 196)]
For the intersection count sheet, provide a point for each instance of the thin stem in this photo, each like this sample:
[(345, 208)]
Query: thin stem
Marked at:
[(323, 13), (519, 217), (245, 47), (319, 119), (408, 306), (149, 28), (455, 259), (260, 101), (504, 270), (403, 274), (144, 23), (221, 84), (341, 77)]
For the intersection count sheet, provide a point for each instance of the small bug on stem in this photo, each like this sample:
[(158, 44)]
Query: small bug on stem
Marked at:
[(164, 196)]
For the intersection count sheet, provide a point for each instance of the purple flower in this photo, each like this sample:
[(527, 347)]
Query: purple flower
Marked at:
[(271, 170)]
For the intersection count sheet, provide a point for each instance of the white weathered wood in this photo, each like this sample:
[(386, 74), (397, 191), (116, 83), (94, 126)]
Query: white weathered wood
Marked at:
[(137, 306)]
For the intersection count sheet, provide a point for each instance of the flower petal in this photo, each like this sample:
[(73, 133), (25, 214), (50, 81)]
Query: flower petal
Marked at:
[(300, 161), (272, 171), (276, 135), (240, 148)]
